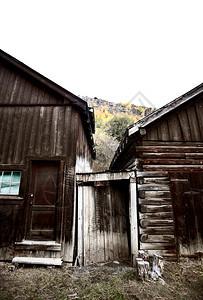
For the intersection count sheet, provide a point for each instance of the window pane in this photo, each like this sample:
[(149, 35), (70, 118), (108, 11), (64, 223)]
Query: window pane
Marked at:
[(16, 177), (10, 183), (7, 177), (5, 188), (14, 189)]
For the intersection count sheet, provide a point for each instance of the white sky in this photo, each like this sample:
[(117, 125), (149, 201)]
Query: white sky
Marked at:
[(109, 49)]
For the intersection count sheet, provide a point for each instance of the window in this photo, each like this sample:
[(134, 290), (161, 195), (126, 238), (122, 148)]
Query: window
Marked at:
[(9, 182)]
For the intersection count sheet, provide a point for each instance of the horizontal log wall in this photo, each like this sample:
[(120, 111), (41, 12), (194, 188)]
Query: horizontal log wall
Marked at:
[(170, 155), (156, 224)]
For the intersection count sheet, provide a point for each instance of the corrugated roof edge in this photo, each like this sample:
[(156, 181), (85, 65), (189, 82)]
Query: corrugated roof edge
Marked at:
[(77, 102), (156, 114)]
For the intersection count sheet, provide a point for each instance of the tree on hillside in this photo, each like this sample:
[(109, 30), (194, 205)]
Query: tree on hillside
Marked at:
[(116, 126), (105, 147)]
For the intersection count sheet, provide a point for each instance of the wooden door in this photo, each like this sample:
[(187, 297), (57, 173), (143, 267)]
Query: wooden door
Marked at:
[(43, 198)]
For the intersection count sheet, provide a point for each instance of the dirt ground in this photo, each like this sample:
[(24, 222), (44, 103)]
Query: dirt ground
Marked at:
[(103, 281)]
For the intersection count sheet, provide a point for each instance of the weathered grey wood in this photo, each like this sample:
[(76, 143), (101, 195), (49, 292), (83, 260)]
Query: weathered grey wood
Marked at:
[(147, 238), (174, 167), (161, 155), (134, 221), (154, 201), (157, 230), (160, 147), (167, 254), (154, 194), (161, 161), (194, 124), (156, 215), (153, 187), (145, 222), (163, 131), (184, 123), (151, 174), (38, 245), (80, 248), (155, 208), (106, 176), (157, 246), (37, 261), (155, 180)]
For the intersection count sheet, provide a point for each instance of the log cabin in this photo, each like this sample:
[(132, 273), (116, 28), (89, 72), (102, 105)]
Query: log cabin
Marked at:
[(45, 138), (165, 150)]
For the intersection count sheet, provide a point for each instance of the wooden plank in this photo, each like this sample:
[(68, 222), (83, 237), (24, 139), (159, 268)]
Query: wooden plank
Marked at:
[(157, 246), (99, 192), (153, 187), (156, 215), (86, 227), (154, 201), (145, 222), (111, 244), (160, 155), (154, 194), (194, 155), (171, 148), (157, 180), (165, 253), (37, 261), (80, 241), (185, 126), (174, 167), (105, 176), (133, 220), (175, 133), (147, 238), (152, 134), (92, 226), (153, 161), (157, 230), (155, 208), (163, 131), (151, 174), (193, 123), (199, 111)]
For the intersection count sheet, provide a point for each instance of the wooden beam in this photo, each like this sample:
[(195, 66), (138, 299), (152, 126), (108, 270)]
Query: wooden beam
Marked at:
[(105, 176), (133, 221), (80, 242)]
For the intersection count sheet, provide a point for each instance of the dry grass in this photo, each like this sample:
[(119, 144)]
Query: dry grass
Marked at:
[(108, 281)]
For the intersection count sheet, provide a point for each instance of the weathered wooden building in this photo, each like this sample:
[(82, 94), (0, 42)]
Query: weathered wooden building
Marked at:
[(45, 138), (152, 196), (150, 199), (165, 149)]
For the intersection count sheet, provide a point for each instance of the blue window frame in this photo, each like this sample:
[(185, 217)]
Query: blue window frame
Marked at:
[(10, 182)]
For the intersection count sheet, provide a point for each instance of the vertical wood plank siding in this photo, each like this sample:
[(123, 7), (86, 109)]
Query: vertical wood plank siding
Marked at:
[(31, 131), (37, 123), (182, 125), (106, 222)]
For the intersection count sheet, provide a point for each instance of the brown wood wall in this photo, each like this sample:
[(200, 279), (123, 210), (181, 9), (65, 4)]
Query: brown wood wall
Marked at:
[(18, 88), (173, 145), (183, 124), (36, 123)]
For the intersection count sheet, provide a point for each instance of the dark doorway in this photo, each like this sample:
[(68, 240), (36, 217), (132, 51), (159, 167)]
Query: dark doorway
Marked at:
[(43, 198)]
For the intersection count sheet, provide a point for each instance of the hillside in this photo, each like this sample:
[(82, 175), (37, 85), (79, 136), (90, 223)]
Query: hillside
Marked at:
[(131, 110), (111, 120)]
